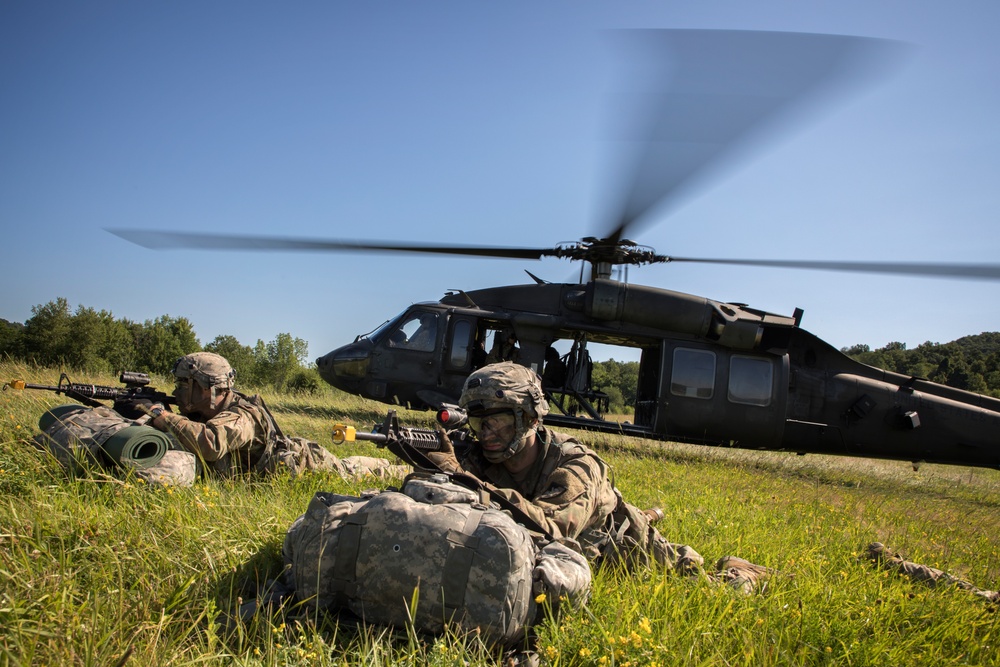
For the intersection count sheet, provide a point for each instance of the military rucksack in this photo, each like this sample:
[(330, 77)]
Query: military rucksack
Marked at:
[(431, 555), (80, 437)]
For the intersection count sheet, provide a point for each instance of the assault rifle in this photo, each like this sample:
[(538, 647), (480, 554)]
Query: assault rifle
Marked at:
[(409, 444), (136, 389)]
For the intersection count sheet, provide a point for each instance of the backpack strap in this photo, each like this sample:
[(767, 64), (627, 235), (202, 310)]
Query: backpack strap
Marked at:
[(458, 562), (276, 432), (345, 562)]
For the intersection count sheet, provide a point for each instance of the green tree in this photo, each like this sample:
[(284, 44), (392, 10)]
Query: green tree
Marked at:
[(618, 378), (84, 347), (48, 333), (241, 358), (305, 381), (11, 339), (118, 348), (280, 358), (160, 342)]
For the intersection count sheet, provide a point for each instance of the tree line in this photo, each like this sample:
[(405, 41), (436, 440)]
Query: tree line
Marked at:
[(971, 363), (95, 341)]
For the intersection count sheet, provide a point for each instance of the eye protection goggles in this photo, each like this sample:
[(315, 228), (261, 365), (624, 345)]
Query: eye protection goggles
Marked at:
[(183, 388), (491, 420)]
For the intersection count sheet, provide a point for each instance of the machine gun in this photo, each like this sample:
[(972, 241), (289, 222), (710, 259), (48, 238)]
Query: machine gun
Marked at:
[(136, 388)]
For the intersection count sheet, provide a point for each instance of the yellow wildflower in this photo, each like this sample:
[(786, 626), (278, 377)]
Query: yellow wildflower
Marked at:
[(645, 626), (540, 598)]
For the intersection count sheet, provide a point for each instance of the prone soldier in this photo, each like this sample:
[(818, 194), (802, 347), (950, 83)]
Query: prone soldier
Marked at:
[(561, 484), (232, 433)]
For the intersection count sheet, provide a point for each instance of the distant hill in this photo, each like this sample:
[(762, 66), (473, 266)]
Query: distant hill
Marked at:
[(971, 363)]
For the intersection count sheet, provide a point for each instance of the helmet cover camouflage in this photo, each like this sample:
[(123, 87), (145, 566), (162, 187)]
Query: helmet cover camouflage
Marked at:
[(207, 369), (506, 385)]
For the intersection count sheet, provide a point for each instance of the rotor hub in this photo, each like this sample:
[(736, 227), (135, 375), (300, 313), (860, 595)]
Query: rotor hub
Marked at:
[(604, 254)]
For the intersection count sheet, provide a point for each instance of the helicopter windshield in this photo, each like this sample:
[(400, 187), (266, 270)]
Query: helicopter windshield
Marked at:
[(381, 331)]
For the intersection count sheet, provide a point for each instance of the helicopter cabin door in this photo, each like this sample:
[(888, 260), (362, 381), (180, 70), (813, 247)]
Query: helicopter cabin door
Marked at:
[(463, 353), (716, 395)]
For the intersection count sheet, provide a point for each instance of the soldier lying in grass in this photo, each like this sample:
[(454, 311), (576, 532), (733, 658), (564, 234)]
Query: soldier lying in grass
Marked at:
[(233, 434), (562, 485)]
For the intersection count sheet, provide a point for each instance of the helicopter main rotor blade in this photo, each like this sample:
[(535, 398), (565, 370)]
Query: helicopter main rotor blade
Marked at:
[(696, 98), (199, 241), (924, 269)]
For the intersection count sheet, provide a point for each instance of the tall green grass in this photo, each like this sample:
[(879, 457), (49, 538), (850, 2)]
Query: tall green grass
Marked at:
[(96, 570)]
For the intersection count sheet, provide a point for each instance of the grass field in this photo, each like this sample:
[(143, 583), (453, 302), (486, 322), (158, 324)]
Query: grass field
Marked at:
[(100, 571)]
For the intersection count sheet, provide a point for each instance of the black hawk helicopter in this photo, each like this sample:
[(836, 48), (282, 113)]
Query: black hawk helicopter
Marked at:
[(710, 372)]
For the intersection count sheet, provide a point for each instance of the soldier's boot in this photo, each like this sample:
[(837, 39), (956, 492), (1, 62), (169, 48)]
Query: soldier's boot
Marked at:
[(688, 563), (879, 553), (992, 597), (741, 574)]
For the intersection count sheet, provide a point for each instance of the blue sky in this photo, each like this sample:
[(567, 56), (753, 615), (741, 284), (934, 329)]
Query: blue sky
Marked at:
[(469, 122)]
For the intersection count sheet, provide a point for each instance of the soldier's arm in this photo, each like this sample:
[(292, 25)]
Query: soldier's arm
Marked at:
[(226, 432), (572, 500)]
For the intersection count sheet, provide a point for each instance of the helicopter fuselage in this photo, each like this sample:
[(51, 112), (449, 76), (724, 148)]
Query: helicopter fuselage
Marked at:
[(710, 372)]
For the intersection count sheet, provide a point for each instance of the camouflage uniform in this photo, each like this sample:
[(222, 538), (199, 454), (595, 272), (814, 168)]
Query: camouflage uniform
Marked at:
[(242, 436), (237, 440), (884, 557), (568, 490)]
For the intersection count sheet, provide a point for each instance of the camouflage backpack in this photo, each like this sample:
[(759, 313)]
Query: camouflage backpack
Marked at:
[(430, 554), (79, 437)]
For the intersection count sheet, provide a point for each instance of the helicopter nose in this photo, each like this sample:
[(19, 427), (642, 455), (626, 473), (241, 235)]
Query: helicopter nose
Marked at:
[(346, 366)]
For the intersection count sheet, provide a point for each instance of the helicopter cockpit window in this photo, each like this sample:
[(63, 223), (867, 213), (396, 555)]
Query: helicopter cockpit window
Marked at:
[(750, 380), (381, 331), (693, 373), (418, 332)]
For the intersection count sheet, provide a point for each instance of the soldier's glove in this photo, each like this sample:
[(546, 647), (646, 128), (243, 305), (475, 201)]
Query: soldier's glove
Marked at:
[(134, 408), (444, 457)]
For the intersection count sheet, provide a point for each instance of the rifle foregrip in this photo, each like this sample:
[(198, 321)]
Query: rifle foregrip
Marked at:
[(93, 391), (419, 438)]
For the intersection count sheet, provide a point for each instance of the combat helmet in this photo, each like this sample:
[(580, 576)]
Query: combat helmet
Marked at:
[(210, 370), (206, 368), (506, 386)]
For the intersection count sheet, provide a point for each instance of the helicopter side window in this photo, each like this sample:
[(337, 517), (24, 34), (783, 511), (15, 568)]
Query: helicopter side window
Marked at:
[(693, 373), (750, 380), (417, 333), (460, 336)]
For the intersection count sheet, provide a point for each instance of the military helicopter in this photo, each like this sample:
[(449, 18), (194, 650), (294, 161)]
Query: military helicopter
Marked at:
[(710, 372)]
